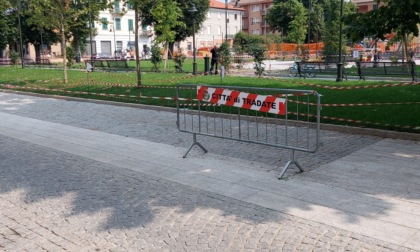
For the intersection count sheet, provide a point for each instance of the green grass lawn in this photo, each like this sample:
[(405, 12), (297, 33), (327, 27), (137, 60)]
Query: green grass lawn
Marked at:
[(385, 107)]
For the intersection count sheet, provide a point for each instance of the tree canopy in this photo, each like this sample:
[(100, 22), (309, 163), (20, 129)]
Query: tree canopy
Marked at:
[(289, 17)]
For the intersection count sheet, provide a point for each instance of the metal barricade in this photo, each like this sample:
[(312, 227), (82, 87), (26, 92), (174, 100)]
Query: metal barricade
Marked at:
[(283, 118)]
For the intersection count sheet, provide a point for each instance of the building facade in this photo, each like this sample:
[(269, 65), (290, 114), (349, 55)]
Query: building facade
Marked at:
[(253, 20), (364, 6), (223, 20), (114, 32)]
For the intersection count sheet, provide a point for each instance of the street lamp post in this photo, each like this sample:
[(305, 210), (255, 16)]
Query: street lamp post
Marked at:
[(115, 45), (340, 48), (226, 20), (41, 30), (193, 10), (21, 40), (90, 35)]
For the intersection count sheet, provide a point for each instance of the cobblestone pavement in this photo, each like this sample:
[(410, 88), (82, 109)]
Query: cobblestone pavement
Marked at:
[(55, 201), (160, 127)]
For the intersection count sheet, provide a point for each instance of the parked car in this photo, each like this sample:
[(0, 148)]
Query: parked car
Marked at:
[(101, 56)]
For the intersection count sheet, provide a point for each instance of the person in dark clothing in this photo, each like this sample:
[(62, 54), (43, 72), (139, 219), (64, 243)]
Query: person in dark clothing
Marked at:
[(214, 59)]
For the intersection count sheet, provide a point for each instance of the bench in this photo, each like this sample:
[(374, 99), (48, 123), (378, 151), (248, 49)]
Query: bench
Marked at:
[(319, 67), (28, 62), (407, 69), (118, 65), (97, 64), (4, 61), (44, 62)]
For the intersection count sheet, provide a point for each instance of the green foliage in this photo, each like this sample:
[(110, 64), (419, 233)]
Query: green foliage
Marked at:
[(253, 45), (156, 57), (224, 55), (331, 36), (179, 59), (184, 28), (71, 55), (243, 41), (166, 14), (258, 52), (14, 56), (274, 38), (289, 17)]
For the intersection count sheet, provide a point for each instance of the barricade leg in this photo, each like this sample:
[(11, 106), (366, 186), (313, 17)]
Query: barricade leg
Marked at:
[(292, 161), (195, 143)]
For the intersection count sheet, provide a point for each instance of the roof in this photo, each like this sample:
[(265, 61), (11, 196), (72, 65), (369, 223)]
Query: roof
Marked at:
[(249, 2), (219, 5)]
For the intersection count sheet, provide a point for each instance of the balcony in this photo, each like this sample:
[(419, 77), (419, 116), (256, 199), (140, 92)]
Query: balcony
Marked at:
[(263, 12), (116, 11), (146, 33)]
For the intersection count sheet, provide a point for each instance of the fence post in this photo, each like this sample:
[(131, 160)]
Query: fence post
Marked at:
[(359, 70), (206, 64), (413, 67)]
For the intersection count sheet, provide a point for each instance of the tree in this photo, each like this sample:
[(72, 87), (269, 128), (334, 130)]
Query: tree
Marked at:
[(166, 15), (185, 28), (8, 29), (253, 45), (289, 17), (332, 19), (60, 16), (88, 11), (224, 56), (258, 52), (398, 16)]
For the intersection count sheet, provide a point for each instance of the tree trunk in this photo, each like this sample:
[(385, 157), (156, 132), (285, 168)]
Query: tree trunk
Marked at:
[(63, 50), (37, 53), (136, 43), (166, 56), (171, 49)]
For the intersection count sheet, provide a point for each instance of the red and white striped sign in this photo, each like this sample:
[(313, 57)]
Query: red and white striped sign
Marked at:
[(221, 96)]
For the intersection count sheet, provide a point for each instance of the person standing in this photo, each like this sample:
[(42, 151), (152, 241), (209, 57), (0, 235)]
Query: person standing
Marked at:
[(214, 60)]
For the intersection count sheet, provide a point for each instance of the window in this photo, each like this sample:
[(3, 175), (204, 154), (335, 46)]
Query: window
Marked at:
[(129, 7), (236, 16), (375, 7), (130, 25), (104, 22), (255, 8), (256, 32), (119, 46), (118, 24), (189, 46), (117, 6), (255, 20)]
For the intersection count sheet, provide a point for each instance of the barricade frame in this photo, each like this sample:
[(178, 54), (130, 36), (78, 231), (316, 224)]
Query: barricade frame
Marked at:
[(199, 115)]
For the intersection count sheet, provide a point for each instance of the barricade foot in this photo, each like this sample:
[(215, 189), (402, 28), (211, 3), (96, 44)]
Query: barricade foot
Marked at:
[(195, 143), (290, 162)]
